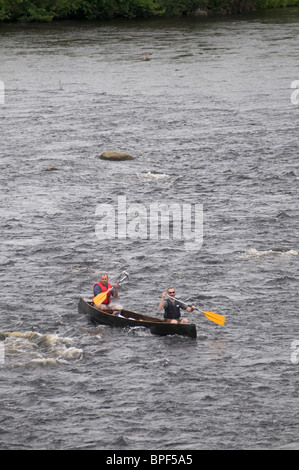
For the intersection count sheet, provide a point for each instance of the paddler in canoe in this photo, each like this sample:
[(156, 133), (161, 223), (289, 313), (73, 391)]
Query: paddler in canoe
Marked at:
[(101, 287), (172, 307)]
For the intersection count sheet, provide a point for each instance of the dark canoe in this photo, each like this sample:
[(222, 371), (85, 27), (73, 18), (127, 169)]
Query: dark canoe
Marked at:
[(133, 319)]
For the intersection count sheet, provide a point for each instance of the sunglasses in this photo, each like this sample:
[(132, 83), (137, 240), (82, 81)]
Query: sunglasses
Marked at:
[(171, 292)]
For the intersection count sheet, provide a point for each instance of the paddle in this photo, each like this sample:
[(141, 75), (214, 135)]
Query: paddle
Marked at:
[(99, 299), (214, 317)]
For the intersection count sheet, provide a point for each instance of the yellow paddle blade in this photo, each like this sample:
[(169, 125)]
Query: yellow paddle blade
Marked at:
[(99, 299), (215, 317)]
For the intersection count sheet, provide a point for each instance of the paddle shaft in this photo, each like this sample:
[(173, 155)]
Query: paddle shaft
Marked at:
[(122, 279), (118, 282), (178, 300)]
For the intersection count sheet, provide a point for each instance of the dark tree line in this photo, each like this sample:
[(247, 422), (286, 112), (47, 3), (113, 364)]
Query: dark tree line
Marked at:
[(47, 10)]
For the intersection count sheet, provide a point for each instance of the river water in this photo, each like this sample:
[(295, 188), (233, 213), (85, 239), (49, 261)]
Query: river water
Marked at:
[(212, 122)]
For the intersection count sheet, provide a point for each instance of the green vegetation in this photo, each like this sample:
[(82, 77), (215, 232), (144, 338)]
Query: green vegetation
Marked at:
[(47, 10)]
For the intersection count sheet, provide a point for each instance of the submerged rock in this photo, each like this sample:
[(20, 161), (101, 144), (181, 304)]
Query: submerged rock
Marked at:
[(116, 156)]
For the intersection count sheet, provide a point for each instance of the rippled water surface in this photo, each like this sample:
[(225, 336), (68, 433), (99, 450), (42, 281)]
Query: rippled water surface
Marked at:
[(210, 121)]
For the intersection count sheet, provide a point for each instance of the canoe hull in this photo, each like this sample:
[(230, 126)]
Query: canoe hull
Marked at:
[(133, 319)]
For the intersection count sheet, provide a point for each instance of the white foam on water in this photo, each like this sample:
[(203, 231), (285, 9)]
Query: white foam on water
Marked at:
[(152, 176), (253, 253), (23, 348)]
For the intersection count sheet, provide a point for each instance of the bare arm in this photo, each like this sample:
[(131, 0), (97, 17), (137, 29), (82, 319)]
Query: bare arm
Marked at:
[(115, 293), (161, 306)]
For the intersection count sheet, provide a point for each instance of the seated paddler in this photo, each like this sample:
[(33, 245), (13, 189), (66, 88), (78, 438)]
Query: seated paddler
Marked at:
[(172, 306), (106, 305)]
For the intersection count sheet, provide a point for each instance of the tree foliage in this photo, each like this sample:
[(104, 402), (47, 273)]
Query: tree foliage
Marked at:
[(37, 10), (47, 10)]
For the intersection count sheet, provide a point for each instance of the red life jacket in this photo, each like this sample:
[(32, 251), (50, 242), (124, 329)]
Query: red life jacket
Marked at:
[(103, 289)]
